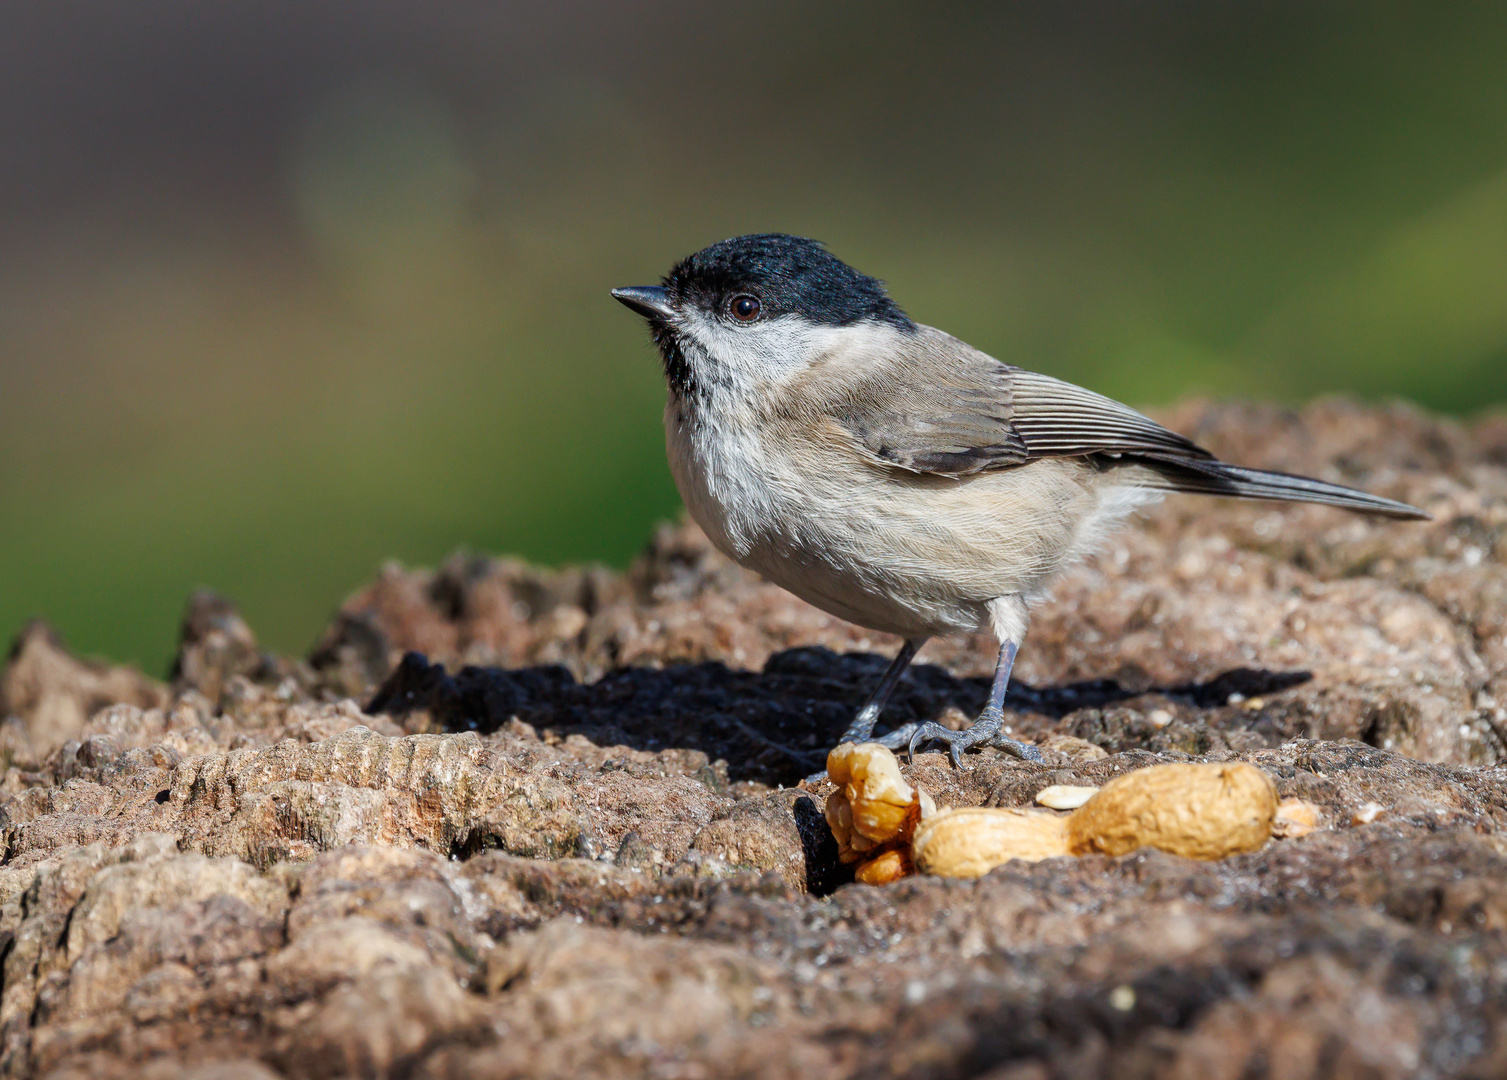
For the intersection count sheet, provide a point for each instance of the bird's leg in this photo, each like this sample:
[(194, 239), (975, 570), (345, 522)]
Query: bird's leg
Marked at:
[(1008, 616), (862, 727)]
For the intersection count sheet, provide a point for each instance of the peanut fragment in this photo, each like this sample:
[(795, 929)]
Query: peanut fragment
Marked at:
[(1295, 818), (873, 812), (1065, 796), (888, 866), (879, 799)]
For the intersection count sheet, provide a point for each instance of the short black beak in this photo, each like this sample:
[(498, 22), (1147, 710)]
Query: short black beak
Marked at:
[(650, 301)]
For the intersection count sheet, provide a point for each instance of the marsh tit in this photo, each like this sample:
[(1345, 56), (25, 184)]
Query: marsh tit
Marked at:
[(893, 475)]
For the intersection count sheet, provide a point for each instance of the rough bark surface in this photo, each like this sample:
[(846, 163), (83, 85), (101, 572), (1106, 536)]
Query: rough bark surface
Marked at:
[(571, 838)]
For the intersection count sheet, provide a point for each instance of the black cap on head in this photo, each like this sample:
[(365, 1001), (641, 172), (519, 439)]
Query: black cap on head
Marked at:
[(790, 275)]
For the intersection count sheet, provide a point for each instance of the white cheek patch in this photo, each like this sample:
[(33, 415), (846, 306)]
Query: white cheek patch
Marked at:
[(747, 358)]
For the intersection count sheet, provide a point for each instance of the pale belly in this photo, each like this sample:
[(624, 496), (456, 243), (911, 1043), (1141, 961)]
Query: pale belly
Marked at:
[(904, 554)]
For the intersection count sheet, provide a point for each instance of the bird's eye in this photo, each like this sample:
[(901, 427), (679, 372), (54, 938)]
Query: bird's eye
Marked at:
[(744, 308)]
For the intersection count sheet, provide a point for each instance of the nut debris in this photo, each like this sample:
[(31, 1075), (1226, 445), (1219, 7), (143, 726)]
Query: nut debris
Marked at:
[(1065, 796), (888, 866), (873, 812), (1199, 811), (1295, 818)]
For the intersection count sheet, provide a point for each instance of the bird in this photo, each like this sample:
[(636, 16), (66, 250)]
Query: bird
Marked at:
[(893, 475)]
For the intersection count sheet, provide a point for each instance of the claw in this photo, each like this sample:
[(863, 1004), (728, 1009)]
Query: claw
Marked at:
[(1027, 752), (984, 732), (918, 736)]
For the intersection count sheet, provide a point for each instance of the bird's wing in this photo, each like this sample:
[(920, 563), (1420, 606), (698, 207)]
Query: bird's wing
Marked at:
[(940, 416), (1058, 419), (955, 411)]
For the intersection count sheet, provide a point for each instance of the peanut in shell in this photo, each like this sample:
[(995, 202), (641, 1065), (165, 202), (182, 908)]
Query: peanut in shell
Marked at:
[(1196, 811), (971, 841)]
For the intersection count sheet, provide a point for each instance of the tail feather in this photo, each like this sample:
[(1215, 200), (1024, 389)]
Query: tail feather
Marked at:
[(1212, 477)]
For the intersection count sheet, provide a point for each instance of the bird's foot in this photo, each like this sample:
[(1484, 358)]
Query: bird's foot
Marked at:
[(984, 732)]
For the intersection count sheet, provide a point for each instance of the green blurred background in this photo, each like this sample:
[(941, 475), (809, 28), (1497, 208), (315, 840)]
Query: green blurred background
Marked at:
[(287, 289)]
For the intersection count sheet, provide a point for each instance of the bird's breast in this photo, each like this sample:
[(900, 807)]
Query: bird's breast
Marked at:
[(723, 469), (795, 509)]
